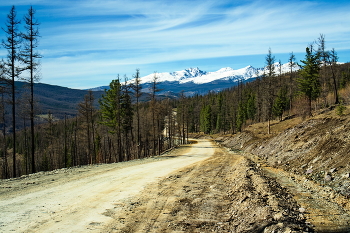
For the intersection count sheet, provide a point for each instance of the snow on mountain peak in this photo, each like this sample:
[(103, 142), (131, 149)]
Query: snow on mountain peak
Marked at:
[(195, 72), (226, 69), (197, 76)]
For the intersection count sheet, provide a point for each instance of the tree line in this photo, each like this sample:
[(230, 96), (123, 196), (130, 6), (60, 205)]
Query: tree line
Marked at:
[(273, 95), (124, 128)]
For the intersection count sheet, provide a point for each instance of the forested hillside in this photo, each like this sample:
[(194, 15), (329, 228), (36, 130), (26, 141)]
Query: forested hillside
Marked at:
[(57, 100), (122, 127)]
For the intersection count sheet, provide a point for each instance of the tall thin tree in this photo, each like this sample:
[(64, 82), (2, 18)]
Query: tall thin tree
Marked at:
[(292, 64), (87, 111), (332, 59), (270, 68), (137, 93), (29, 57), (154, 90), (12, 44), (111, 112)]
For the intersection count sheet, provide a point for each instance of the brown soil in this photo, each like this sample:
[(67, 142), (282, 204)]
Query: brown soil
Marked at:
[(225, 193), (310, 158)]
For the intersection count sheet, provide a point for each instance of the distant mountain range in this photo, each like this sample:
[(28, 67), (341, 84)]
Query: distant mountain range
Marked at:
[(195, 81), (61, 101)]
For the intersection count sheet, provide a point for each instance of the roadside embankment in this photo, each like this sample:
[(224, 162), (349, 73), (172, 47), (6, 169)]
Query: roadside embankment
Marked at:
[(313, 154)]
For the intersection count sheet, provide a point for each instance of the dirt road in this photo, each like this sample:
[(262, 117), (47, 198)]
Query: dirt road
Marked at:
[(196, 188), (74, 200)]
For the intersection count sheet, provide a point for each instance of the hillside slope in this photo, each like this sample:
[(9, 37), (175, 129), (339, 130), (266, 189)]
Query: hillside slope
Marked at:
[(318, 147), (317, 150), (51, 98)]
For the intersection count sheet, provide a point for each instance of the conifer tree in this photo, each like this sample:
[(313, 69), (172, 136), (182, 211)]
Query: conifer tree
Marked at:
[(154, 90), (269, 93), (251, 107), (292, 64), (205, 119), (241, 116), (126, 115), (332, 59), (109, 104), (110, 111), (12, 44), (29, 57), (87, 110), (309, 83), (280, 103), (137, 93)]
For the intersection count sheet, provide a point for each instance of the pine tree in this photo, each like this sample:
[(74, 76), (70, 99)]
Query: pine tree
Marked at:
[(205, 119), (12, 44), (270, 68), (87, 110), (154, 90), (126, 117), (29, 57), (110, 106), (332, 59), (309, 83), (111, 113), (137, 93), (251, 107), (292, 64), (241, 116), (280, 103)]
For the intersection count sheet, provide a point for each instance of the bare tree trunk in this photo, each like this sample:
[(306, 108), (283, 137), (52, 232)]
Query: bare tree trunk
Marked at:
[(5, 165)]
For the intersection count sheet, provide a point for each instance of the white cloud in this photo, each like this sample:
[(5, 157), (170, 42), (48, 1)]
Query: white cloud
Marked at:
[(88, 37)]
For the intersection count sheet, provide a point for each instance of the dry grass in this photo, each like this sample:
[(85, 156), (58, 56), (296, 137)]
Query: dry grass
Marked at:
[(260, 129), (345, 95)]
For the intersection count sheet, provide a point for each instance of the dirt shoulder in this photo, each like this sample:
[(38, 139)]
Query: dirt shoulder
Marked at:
[(224, 193)]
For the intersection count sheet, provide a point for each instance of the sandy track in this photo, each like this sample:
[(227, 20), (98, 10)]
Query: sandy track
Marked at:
[(79, 199)]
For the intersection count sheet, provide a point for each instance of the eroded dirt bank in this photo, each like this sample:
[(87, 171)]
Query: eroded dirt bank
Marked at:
[(196, 188), (310, 158)]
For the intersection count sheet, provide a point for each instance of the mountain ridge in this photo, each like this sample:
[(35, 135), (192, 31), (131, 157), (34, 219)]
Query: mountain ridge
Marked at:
[(192, 81)]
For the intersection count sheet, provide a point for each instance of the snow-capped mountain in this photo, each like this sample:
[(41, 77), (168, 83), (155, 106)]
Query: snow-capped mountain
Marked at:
[(197, 76), (194, 80)]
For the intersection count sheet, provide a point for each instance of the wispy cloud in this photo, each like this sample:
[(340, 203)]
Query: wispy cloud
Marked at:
[(90, 39)]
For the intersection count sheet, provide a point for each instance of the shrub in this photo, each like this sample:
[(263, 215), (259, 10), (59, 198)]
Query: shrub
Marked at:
[(340, 109)]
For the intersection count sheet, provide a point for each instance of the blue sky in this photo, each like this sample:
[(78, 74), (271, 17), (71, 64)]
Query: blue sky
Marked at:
[(87, 43)]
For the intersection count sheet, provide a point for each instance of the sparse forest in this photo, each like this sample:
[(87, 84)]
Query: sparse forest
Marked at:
[(124, 128)]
